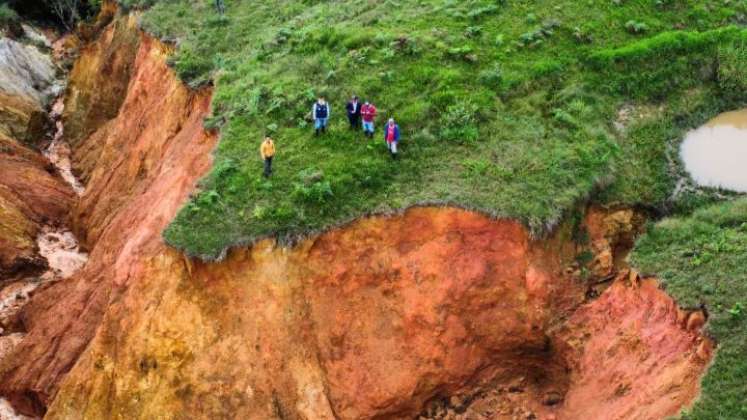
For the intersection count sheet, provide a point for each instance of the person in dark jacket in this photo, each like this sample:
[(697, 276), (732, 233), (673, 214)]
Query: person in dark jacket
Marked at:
[(391, 136), (320, 112), (354, 113), (220, 5)]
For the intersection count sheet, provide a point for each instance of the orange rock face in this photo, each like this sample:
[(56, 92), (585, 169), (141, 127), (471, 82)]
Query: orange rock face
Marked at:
[(144, 171), (612, 233), (30, 193), (410, 306), (378, 319), (98, 87), (630, 358)]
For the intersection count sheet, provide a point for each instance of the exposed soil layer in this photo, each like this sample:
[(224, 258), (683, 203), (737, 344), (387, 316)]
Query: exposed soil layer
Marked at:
[(31, 195), (144, 169), (31, 214), (436, 309), (378, 320)]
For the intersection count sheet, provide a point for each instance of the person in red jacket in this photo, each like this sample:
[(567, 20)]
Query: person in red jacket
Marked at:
[(368, 113), (391, 136)]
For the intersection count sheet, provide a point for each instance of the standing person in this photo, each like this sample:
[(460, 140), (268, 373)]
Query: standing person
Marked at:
[(221, 6), (368, 113), (321, 112), (267, 151), (354, 112), (391, 135)]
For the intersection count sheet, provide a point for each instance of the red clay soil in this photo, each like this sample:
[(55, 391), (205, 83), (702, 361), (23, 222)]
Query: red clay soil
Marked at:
[(379, 320), (382, 318), (30, 196), (145, 171), (632, 354)]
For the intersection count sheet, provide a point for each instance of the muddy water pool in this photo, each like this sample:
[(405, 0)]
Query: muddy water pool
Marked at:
[(715, 154)]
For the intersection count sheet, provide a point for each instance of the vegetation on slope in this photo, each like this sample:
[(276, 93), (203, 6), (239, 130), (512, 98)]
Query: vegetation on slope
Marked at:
[(8, 16), (506, 106), (702, 259)]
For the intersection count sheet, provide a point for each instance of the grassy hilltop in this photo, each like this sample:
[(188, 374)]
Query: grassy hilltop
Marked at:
[(515, 108), (506, 106)]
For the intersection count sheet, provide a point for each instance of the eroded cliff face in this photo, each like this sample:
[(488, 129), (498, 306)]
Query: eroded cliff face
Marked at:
[(378, 319), (146, 166), (386, 317), (31, 195)]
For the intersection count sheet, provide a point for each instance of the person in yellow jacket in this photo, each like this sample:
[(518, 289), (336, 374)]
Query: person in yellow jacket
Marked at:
[(267, 151)]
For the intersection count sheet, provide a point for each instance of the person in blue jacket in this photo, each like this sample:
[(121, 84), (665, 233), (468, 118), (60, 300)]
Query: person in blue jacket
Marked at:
[(320, 112), (391, 136)]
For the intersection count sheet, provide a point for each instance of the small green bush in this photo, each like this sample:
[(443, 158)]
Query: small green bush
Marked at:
[(459, 123), (635, 27), (492, 77), (312, 188), (192, 66), (732, 66)]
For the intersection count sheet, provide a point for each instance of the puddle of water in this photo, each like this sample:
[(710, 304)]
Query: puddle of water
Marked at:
[(715, 154)]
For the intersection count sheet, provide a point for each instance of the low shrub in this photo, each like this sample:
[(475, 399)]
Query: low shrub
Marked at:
[(732, 66), (635, 27), (192, 66), (492, 77), (312, 187), (459, 123)]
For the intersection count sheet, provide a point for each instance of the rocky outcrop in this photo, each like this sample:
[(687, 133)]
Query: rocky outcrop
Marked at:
[(611, 236), (27, 84), (30, 193)]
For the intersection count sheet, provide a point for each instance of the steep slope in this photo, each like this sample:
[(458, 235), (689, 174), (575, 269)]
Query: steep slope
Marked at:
[(148, 163), (30, 194)]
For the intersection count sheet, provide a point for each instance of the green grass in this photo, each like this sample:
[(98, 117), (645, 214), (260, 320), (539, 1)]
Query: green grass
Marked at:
[(702, 259), (506, 106)]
